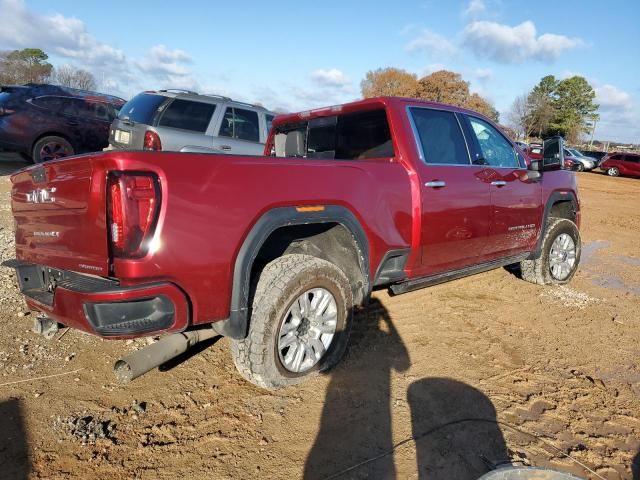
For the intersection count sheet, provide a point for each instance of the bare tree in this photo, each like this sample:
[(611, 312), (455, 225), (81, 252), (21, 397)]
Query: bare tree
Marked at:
[(68, 76), (519, 116)]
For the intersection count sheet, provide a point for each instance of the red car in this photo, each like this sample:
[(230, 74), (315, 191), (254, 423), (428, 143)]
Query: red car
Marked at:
[(275, 251), (621, 164)]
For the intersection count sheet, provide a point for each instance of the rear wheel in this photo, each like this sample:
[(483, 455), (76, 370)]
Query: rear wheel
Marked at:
[(613, 171), (559, 254), (300, 322), (51, 148)]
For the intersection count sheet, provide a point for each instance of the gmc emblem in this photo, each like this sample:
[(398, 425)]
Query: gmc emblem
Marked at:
[(41, 195)]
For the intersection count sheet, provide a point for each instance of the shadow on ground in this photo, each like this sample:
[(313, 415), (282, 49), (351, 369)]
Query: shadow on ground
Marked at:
[(14, 458), (453, 424), (11, 162)]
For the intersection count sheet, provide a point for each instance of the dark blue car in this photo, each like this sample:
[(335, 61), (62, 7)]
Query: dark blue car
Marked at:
[(45, 122)]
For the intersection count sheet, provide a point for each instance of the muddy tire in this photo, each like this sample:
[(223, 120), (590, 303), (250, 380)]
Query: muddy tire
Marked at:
[(299, 325), (559, 255)]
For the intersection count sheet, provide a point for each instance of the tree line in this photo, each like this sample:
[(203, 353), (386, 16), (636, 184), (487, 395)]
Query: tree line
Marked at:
[(553, 107), (442, 86), (556, 107), (30, 65)]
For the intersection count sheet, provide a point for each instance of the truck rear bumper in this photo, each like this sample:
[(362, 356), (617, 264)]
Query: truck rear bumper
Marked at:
[(102, 306)]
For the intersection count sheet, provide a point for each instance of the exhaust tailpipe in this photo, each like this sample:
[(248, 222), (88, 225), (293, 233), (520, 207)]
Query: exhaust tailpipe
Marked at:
[(138, 363)]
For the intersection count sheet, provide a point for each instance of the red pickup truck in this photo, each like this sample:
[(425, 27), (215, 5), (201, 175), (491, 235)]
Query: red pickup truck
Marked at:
[(275, 251)]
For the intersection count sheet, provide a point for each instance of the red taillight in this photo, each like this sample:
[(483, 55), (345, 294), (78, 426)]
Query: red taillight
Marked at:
[(152, 141), (133, 206)]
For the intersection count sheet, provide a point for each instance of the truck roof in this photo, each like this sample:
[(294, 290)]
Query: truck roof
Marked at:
[(366, 104)]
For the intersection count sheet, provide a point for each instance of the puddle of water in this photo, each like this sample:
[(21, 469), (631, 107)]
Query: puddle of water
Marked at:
[(589, 250), (614, 282), (630, 260)]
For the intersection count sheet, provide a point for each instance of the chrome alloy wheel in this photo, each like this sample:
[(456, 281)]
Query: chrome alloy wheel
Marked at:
[(562, 256), (52, 151), (307, 330)]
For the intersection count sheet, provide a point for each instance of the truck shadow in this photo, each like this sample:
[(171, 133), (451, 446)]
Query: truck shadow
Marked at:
[(453, 424), (14, 455), (635, 467)]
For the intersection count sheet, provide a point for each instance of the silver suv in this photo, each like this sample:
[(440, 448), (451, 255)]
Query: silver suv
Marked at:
[(177, 120)]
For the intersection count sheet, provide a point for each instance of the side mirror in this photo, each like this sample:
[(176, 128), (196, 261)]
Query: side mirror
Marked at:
[(534, 170), (553, 154)]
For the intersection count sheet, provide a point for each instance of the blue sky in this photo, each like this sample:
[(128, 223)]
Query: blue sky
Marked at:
[(298, 55)]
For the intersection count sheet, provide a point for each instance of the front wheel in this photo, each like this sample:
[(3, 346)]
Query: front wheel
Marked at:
[(300, 322), (559, 254), (613, 171), (579, 167)]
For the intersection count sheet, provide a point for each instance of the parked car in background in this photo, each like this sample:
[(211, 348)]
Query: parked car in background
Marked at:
[(595, 154), (534, 151), (581, 162), (621, 164), (45, 122), (177, 120)]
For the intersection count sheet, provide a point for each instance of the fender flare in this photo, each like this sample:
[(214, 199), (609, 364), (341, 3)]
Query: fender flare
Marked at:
[(236, 326), (554, 197)]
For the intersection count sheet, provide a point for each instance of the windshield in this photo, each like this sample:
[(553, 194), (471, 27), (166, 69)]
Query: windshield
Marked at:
[(575, 152), (141, 108)]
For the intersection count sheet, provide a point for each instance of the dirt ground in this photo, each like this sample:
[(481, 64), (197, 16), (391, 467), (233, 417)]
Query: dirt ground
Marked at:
[(477, 371)]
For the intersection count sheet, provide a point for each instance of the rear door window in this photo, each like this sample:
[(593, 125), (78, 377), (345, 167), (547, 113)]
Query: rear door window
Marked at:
[(142, 108), (187, 115), (240, 124), (632, 158), (440, 137), (96, 110)]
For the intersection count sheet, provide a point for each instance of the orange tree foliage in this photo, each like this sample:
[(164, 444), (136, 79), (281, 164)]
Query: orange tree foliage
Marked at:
[(441, 86), (389, 82)]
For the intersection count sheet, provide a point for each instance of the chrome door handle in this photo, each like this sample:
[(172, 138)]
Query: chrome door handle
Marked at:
[(436, 184), (499, 183)]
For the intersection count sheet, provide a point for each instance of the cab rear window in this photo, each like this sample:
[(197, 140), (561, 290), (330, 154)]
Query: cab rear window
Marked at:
[(359, 135), (142, 108)]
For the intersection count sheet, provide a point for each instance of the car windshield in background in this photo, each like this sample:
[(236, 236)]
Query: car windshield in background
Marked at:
[(141, 108)]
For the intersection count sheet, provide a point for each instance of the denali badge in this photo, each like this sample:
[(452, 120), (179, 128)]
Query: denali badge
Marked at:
[(47, 234), (89, 267), (41, 195)]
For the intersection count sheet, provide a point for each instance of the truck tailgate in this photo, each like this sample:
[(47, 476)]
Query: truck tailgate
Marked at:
[(60, 215)]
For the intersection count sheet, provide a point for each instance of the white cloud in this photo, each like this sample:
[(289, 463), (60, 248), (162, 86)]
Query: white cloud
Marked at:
[(432, 67), (475, 8), (160, 60), (483, 74), (431, 42), (506, 44), (331, 77), (59, 35), (610, 97)]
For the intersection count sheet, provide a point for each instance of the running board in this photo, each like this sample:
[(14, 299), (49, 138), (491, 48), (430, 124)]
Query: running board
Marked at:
[(417, 283)]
